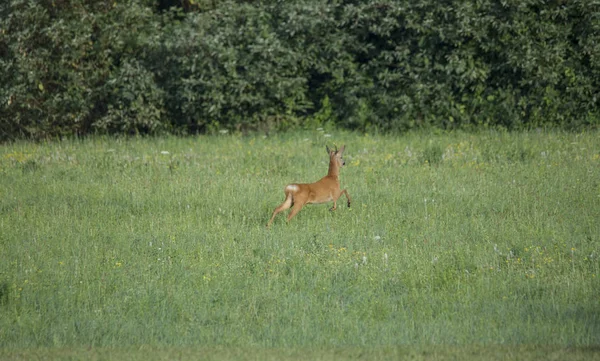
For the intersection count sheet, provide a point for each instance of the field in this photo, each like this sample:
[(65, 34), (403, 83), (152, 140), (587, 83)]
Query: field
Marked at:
[(457, 245)]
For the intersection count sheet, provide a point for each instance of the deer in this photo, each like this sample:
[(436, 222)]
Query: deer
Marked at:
[(327, 189)]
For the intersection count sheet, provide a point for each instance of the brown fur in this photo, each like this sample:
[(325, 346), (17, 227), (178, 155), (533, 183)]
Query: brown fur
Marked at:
[(327, 189)]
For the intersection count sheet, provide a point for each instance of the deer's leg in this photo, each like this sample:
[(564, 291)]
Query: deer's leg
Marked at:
[(285, 205), (335, 198), (345, 192), (295, 209), (334, 206)]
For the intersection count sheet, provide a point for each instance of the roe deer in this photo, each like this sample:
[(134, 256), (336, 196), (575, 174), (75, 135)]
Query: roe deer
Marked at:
[(325, 190)]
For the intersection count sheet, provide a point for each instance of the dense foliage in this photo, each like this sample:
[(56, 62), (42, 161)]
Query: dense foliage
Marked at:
[(147, 66)]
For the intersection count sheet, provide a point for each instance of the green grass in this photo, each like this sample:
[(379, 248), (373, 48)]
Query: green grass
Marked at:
[(472, 242)]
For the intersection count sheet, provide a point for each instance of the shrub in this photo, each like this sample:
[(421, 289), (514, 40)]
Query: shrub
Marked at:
[(81, 66)]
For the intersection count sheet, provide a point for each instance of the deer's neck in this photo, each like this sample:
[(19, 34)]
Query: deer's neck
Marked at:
[(334, 169)]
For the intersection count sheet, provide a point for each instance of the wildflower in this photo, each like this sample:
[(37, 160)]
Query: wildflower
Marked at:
[(327, 135), (377, 238), (164, 152), (223, 131), (496, 249), (530, 274), (364, 260)]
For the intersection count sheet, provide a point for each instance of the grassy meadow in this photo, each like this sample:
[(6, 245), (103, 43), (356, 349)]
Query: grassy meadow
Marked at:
[(456, 244)]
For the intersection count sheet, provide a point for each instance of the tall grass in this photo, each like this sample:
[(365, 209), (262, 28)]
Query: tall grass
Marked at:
[(455, 239)]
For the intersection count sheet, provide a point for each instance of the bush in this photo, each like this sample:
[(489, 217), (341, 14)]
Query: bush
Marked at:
[(81, 66), (71, 69), (229, 68)]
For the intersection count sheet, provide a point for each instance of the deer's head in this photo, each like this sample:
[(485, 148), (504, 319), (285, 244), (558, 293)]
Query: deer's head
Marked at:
[(335, 155)]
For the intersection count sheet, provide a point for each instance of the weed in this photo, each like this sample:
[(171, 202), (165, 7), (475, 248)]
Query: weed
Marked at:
[(161, 241)]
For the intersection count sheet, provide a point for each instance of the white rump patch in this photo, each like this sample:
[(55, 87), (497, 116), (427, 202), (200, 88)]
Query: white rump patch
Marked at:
[(291, 187)]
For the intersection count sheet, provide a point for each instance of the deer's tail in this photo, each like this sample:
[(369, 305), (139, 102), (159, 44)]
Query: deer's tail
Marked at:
[(290, 190)]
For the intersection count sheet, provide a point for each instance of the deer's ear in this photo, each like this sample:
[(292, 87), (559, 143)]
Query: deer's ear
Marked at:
[(328, 151), (342, 149)]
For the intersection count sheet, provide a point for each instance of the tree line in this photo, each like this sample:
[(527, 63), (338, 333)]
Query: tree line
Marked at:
[(78, 67)]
